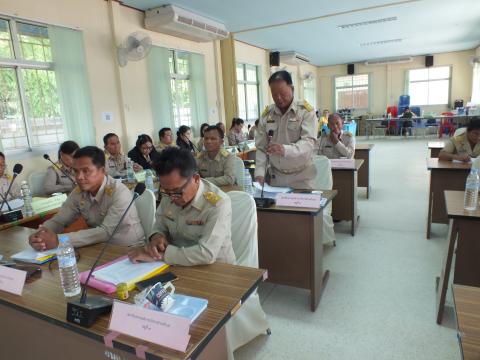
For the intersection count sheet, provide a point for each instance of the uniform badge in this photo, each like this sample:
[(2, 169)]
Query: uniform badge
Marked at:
[(195, 222), (211, 197), (109, 190)]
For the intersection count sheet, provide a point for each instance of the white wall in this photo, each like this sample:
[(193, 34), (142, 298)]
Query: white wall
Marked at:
[(389, 80)]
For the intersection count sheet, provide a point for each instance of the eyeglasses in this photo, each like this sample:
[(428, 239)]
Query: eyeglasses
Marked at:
[(177, 193)]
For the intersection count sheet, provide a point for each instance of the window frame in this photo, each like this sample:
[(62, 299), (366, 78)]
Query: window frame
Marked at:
[(244, 83), (351, 87), (17, 63), (407, 90), (174, 76), (314, 87)]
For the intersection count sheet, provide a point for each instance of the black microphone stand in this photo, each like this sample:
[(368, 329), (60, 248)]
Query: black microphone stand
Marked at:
[(85, 311)]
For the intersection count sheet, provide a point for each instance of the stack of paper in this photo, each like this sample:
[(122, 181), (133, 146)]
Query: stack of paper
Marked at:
[(270, 192), (125, 271), (30, 255)]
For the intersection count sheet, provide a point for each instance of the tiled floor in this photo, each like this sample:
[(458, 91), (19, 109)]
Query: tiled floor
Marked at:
[(379, 302)]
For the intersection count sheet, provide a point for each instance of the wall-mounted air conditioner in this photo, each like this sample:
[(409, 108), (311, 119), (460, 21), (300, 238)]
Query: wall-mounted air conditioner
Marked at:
[(175, 21), (399, 60), (293, 58)]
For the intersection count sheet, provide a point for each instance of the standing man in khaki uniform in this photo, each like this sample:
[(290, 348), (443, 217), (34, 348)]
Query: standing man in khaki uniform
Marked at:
[(215, 164), (294, 126), (337, 144), (100, 200), (465, 146), (116, 161), (5, 180), (193, 221)]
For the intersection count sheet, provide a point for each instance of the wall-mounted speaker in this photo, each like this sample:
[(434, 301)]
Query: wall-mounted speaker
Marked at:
[(350, 69), (275, 58), (428, 60)]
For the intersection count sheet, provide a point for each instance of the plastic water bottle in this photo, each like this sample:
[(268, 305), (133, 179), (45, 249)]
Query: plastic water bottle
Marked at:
[(130, 172), (27, 199), (247, 182), (67, 264), (149, 180), (471, 190)]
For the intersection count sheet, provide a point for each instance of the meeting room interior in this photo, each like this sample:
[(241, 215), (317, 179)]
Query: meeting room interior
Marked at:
[(185, 179)]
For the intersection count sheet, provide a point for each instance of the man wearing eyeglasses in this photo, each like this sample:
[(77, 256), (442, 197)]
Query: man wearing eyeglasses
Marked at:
[(100, 200), (193, 221)]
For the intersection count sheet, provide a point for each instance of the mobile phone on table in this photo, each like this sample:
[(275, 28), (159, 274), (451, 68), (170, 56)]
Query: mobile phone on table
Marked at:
[(163, 278)]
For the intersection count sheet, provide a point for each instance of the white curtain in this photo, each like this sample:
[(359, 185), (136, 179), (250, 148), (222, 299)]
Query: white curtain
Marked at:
[(476, 84), (74, 90), (160, 88), (199, 92)]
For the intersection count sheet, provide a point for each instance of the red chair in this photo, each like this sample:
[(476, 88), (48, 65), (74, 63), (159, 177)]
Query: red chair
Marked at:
[(393, 110), (446, 123)]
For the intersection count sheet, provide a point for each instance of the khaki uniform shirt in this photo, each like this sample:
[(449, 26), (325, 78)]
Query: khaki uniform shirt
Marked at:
[(57, 181), (345, 148), (102, 213), (219, 171), (296, 130), (5, 183), (116, 165), (199, 233), (235, 138), (161, 146), (460, 145)]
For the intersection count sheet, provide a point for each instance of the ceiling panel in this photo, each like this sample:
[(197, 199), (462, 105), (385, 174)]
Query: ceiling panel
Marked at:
[(426, 26)]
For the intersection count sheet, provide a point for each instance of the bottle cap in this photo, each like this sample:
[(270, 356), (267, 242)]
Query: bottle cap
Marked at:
[(63, 238)]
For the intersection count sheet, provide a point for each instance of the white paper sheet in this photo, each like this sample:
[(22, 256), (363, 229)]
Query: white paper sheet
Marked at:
[(31, 255), (14, 204), (126, 271), (272, 189)]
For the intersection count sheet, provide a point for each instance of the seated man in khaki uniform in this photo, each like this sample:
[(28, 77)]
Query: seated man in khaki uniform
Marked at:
[(337, 144), (5, 180), (465, 146), (166, 139), (100, 200), (215, 164), (116, 161), (59, 178), (193, 221)]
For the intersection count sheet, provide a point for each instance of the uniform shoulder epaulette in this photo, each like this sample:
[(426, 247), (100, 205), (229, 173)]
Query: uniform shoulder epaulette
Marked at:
[(211, 197), (224, 153), (107, 155), (347, 133), (77, 190), (459, 138), (306, 105), (9, 177), (109, 190), (265, 111), (59, 164), (199, 155)]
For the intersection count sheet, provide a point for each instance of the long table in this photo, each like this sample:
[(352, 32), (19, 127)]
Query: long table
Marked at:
[(290, 247), (344, 206), (444, 175), (34, 325), (435, 147), (467, 310), (362, 151)]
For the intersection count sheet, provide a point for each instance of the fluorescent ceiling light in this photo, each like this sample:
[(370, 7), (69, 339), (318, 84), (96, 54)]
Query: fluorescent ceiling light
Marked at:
[(380, 42), (364, 23)]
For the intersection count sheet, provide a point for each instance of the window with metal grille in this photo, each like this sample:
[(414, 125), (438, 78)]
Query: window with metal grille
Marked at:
[(30, 114), (309, 91), (248, 92), (351, 92), (181, 88), (429, 86)]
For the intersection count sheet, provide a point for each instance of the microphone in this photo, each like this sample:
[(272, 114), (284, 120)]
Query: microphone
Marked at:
[(46, 157), (85, 311), (15, 214), (261, 202)]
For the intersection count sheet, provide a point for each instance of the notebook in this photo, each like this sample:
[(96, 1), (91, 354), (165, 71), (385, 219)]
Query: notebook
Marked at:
[(188, 306), (107, 276), (32, 256)]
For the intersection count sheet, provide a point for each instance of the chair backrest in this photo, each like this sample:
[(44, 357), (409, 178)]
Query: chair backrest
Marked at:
[(239, 171), (460, 131), (323, 179), (36, 181), (146, 206), (244, 228)]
